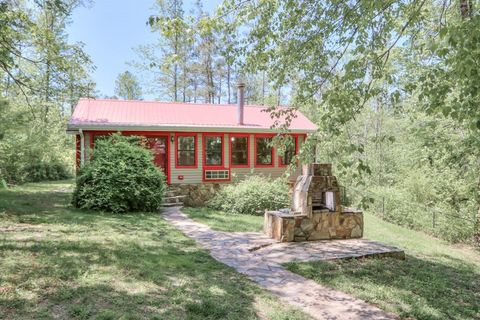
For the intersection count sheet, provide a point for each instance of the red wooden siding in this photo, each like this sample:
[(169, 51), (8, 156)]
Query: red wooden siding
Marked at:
[(196, 173)]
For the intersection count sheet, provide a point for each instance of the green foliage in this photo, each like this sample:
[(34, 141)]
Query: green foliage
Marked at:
[(450, 87), (166, 60), (345, 58), (253, 195), (194, 58), (409, 168), (121, 177), (46, 171), (127, 87), (333, 52), (27, 146), (42, 75), (14, 23)]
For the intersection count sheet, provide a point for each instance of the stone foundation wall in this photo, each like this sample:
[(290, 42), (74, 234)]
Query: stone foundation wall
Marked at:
[(323, 225), (196, 194)]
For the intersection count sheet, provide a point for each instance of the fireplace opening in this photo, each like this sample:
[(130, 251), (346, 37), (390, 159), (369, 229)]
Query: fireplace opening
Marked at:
[(322, 200), (329, 201)]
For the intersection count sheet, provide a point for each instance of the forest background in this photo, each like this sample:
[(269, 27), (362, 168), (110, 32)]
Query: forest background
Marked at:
[(392, 85)]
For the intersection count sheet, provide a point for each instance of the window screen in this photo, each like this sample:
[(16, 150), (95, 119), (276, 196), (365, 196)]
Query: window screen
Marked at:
[(239, 150), (213, 150), (264, 151), (186, 151)]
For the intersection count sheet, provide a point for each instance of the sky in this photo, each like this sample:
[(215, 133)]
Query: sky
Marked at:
[(110, 29)]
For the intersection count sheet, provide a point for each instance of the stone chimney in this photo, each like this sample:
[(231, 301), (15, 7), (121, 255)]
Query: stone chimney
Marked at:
[(240, 102)]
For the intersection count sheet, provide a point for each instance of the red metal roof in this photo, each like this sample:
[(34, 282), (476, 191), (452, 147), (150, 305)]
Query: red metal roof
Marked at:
[(124, 114)]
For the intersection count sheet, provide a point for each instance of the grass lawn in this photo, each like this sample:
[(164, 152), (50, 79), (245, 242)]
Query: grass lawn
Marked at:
[(438, 280), (221, 221), (58, 262)]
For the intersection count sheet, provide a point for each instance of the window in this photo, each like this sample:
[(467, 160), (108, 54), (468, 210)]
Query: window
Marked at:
[(290, 151), (186, 150), (213, 150), (217, 175), (264, 151), (239, 151)]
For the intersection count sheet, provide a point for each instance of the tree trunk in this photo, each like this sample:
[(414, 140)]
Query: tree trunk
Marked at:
[(263, 88), (184, 81), (228, 84), (48, 66), (219, 89), (7, 87), (195, 91), (476, 226), (175, 84), (210, 96), (176, 51), (378, 141)]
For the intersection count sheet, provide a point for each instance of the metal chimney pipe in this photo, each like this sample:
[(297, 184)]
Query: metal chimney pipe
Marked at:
[(240, 102)]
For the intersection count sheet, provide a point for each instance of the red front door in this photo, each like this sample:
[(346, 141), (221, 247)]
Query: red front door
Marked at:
[(160, 152)]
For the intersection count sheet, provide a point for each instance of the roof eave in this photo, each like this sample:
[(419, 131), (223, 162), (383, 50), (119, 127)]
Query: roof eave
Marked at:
[(73, 128)]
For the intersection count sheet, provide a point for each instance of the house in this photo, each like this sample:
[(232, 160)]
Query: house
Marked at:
[(192, 143)]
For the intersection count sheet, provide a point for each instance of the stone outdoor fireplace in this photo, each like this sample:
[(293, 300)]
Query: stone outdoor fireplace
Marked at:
[(316, 212)]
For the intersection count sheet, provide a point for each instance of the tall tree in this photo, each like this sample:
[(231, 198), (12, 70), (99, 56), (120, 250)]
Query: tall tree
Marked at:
[(127, 86), (207, 51), (42, 75), (15, 24), (169, 54), (338, 55), (449, 85), (188, 63), (60, 75), (228, 50)]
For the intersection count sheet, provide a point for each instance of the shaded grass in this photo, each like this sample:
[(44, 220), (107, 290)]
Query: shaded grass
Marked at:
[(417, 242), (436, 281), (218, 220), (58, 262)]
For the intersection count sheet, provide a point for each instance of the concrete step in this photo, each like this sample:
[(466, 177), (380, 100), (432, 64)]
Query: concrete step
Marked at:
[(174, 192), (175, 204), (171, 193), (174, 199)]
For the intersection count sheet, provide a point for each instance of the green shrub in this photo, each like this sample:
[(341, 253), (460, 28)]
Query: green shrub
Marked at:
[(121, 177), (253, 195), (46, 171)]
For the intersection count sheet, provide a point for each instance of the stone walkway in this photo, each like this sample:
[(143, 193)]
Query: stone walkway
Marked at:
[(326, 250), (260, 258)]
